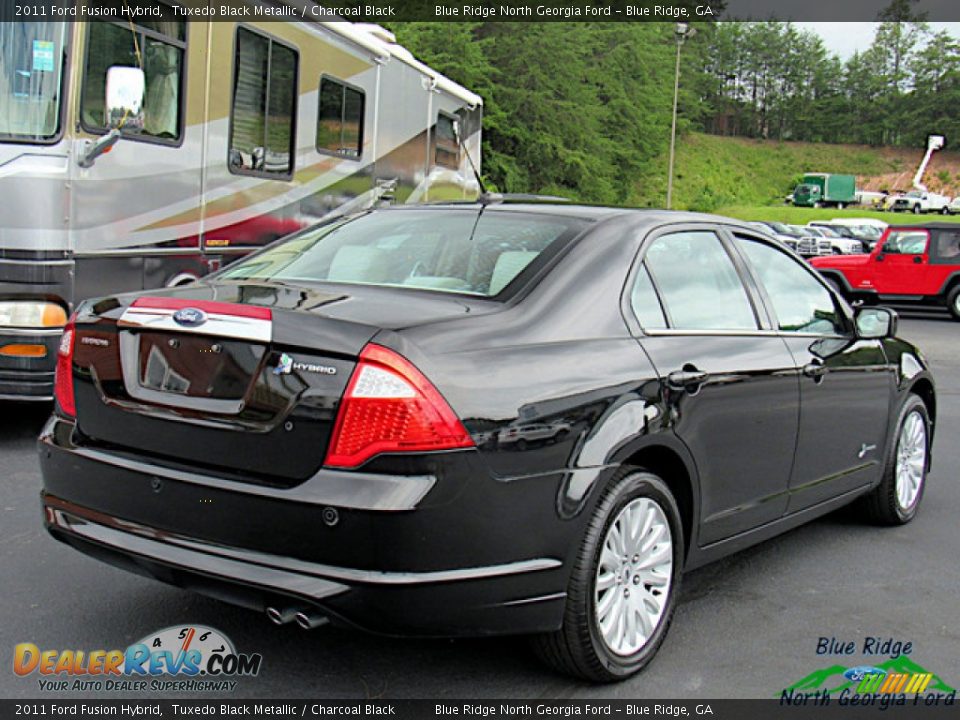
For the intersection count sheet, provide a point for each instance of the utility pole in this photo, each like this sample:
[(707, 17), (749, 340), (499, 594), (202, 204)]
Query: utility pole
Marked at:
[(683, 31)]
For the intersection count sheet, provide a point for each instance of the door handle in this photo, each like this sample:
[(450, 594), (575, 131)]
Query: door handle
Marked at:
[(815, 369), (687, 378), (917, 259)]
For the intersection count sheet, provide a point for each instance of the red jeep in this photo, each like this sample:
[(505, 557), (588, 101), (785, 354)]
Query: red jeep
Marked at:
[(918, 264)]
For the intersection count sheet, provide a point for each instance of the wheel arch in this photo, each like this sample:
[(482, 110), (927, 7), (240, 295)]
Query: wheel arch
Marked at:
[(923, 388), (678, 473)]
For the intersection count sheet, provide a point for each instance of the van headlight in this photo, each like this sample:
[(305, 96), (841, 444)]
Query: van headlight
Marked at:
[(31, 314)]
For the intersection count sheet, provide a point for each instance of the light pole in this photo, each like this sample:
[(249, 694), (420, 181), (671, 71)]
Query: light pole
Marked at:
[(683, 31)]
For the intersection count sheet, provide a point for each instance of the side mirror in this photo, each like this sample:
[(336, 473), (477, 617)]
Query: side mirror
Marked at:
[(874, 323), (125, 91), (124, 110)]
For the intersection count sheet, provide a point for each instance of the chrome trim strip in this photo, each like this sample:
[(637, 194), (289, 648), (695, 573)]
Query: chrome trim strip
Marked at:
[(23, 332), (34, 263), (128, 252), (352, 490), (228, 326), (193, 554), (27, 398), (217, 566)]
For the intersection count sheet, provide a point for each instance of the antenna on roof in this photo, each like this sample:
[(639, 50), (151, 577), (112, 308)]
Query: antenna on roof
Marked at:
[(486, 196)]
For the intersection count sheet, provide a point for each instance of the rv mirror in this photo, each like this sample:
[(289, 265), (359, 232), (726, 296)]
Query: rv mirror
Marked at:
[(125, 90)]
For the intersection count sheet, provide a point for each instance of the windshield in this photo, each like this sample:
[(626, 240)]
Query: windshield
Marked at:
[(459, 251), (31, 74)]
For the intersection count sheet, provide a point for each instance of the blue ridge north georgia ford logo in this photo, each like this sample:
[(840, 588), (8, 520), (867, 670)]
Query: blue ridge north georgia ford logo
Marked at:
[(189, 317)]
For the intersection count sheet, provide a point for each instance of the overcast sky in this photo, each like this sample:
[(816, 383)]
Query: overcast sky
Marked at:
[(845, 38)]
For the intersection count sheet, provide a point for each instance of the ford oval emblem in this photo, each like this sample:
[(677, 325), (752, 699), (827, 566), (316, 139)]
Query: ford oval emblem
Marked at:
[(190, 317)]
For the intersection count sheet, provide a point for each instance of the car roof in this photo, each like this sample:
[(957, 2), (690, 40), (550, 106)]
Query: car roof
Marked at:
[(928, 226), (651, 216)]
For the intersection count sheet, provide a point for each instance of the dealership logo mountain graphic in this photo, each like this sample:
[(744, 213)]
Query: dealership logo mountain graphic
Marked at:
[(832, 680)]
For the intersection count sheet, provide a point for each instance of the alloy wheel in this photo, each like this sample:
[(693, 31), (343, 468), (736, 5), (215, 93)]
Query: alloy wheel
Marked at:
[(633, 576), (911, 460)]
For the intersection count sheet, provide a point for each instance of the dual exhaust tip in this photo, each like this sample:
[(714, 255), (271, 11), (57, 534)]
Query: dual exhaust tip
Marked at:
[(307, 619)]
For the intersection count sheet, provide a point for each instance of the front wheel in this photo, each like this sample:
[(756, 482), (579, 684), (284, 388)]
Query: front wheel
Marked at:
[(916, 209), (944, 210), (623, 585), (896, 499)]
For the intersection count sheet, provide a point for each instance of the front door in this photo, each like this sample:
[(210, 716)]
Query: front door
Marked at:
[(901, 266), (728, 384), (845, 383)]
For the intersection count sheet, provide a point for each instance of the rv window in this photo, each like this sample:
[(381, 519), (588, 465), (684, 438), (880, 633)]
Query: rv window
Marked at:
[(158, 47), (340, 119), (264, 106), (446, 152)]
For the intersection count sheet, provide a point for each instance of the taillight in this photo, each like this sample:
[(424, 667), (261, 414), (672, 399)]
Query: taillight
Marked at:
[(63, 382), (389, 406)]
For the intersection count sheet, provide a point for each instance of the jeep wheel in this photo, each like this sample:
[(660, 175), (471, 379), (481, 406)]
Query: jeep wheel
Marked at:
[(624, 583), (953, 302), (896, 499)]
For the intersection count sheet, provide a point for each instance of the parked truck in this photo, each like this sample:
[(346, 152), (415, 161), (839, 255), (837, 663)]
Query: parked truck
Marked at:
[(825, 189)]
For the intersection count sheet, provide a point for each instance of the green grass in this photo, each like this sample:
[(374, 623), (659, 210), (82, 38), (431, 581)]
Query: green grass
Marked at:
[(801, 216), (713, 172)]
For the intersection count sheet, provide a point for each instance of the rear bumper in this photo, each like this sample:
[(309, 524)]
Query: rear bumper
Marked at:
[(28, 378), (432, 570)]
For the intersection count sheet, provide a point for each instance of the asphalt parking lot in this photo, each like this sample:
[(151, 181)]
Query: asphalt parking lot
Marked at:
[(746, 627)]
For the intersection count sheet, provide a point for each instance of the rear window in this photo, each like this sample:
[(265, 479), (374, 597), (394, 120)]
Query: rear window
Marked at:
[(457, 251)]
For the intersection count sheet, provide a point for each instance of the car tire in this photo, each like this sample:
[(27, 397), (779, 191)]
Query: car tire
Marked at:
[(916, 209), (582, 647), (896, 499), (840, 206), (818, 205), (944, 210), (953, 302)]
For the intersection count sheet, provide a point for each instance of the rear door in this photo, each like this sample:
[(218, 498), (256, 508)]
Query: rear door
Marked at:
[(728, 382), (845, 382), (901, 267)]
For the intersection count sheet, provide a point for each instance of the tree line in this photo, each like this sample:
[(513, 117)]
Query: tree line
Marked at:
[(581, 109)]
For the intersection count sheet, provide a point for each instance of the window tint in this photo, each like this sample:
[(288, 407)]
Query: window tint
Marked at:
[(906, 242), (447, 152), (645, 304), (264, 106), (801, 303), (448, 250), (698, 283), (156, 46), (340, 119), (948, 248)]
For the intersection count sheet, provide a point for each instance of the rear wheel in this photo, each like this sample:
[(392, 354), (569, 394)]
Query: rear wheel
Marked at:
[(896, 499), (624, 583), (840, 206), (944, 210), (953, 302)]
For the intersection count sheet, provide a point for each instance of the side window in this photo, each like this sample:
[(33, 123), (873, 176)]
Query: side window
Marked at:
[(698, 282), (906, 242), (645, 303), (801, 303), (156, 46), (446, 150), (947, 248), (340, 119), (264, 106)]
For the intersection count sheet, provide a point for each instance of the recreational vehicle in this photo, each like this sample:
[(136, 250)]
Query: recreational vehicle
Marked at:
[(240, 133)]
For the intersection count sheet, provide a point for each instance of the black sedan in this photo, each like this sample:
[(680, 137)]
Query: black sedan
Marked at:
[(475, 419)]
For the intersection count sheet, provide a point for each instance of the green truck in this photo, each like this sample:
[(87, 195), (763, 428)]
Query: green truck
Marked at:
[(825, 189)]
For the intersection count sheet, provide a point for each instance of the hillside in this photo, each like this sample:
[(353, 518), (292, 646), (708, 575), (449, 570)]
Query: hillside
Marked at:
[(715, 172)]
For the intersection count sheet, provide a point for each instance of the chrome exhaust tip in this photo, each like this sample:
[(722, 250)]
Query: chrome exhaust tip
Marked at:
[(310, 620), (281, 616)]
